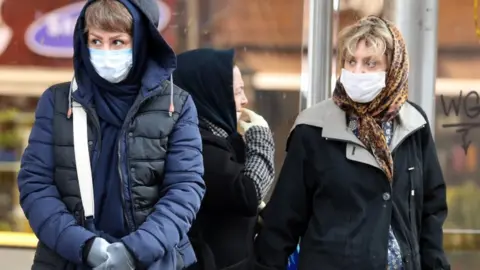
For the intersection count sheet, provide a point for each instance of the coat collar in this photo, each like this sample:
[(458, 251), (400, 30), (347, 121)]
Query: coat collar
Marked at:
[(333, 121)]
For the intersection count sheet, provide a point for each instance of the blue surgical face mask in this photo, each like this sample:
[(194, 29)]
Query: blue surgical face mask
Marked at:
[(112, 65)]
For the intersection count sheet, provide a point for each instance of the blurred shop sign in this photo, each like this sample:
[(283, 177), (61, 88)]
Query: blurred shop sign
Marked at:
[(6, 32), (51, 35)]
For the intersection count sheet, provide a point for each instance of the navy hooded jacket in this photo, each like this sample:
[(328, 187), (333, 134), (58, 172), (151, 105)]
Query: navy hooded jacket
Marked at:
[(53, 224)]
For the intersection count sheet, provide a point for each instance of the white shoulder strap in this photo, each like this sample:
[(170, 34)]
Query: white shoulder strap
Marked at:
[(82, 155)]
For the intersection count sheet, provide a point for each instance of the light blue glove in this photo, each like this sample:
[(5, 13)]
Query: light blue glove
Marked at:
[(119, 258), (98, 252)]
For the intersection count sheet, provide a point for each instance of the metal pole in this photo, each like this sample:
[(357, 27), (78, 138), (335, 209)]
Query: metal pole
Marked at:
[(417, 21), (193, 22), (319, 53)]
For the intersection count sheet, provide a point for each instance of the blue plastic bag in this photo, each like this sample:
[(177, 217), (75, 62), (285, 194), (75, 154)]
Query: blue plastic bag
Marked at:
[(293, 259)]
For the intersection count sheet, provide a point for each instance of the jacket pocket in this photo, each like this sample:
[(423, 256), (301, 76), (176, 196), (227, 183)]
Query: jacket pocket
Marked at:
[(414, 178), (415, 190), (184, 253), (411, 197), (246, 264), (47, 259), (258, 266)]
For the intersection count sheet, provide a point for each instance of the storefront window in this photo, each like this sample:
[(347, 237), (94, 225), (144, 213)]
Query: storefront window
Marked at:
[(456, 128)]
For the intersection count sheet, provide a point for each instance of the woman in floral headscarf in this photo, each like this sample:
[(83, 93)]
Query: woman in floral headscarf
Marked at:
[(361, 183)]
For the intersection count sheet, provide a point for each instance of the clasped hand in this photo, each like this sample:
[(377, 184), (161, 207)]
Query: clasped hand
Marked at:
[(106, 256)]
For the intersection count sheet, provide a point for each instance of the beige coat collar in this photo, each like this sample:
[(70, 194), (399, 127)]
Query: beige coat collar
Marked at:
[(332, 120)]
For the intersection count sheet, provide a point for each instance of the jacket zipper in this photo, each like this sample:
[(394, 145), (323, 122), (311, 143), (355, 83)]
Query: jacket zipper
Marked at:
[(128, 205), (411, 197)]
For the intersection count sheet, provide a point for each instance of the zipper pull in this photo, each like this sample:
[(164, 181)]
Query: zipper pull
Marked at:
[(412, 192)]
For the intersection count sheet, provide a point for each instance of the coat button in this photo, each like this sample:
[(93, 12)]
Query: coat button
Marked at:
[(130, 134), (386, 196), (90, 143)]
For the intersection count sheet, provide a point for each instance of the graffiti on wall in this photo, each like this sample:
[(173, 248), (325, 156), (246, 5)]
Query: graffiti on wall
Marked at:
[(464, 104)]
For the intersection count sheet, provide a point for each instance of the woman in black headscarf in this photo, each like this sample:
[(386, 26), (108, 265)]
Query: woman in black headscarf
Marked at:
[(238, 167)]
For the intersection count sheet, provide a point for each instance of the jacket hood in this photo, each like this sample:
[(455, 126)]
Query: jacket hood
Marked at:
[(153, 59)]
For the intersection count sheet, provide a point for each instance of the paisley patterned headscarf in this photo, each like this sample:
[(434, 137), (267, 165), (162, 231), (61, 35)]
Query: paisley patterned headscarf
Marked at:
[(384, 107)]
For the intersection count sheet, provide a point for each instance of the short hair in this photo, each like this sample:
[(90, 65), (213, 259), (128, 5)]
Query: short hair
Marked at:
[(108, 15), (373, 30)]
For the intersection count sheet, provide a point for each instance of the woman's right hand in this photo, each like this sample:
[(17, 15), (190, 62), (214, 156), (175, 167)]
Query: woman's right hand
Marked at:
[(249, 119), (259, 151)]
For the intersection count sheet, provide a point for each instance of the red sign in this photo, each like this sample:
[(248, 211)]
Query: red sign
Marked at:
[(40, 32)]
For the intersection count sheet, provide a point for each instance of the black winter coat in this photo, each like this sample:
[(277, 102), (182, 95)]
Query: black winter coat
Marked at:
[(223, 232), (333, 196)]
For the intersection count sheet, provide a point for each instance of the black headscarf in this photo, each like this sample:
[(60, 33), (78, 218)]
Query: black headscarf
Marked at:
[(207, 74)]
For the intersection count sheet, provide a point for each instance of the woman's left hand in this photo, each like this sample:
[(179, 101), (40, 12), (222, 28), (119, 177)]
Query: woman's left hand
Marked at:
[(119, 258)]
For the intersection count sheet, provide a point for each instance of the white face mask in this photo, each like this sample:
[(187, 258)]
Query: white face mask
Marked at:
[(363, 87), (112, 65), (238, 115)]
